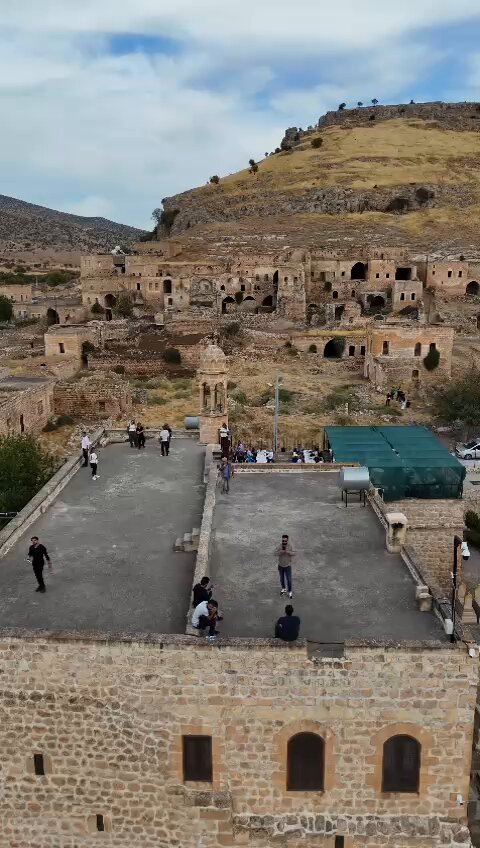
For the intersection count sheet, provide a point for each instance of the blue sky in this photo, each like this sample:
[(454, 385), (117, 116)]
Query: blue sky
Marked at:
[(108, 106)]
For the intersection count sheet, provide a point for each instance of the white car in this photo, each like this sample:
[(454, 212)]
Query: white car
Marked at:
[(470, 450)]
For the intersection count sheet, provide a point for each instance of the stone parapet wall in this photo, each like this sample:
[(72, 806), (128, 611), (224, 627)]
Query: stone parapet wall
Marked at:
[(111, 736)]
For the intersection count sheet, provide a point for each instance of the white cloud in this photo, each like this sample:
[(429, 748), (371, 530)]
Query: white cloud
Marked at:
[(110, 135)]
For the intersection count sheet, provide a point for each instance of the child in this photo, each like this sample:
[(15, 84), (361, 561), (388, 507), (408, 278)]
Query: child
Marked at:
[(94, 464)]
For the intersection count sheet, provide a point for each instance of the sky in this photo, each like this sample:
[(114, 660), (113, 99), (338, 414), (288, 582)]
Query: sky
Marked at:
[(107, 106)]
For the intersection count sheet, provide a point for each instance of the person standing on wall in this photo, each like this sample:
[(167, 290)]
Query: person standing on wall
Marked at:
[(94, 464), (37, 554), (132, 434), (140, 433), (86, 445), (165, 440), (285, 554)]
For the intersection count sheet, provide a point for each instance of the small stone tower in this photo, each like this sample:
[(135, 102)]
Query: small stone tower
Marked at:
[(212, 379)]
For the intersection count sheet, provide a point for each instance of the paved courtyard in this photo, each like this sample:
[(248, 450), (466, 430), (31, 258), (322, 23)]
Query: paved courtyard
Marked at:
[(111, 544), (346, 585)]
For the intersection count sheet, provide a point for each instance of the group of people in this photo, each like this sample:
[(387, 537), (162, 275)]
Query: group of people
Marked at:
[(90, 456), (136, 436), (310, 455), (250, 454), (397, 394), (206, 613)]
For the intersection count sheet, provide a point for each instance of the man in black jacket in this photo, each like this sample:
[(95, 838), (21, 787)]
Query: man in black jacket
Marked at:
[(37, 554), (288, 626), (202, 591)]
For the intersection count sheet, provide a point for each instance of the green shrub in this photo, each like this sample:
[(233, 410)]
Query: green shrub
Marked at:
[(215, 179), (239, 297), (172, 355), (239, 396), (24, 468), (460, 401), (231, 385), (292, 350), (167, 219), (233, 328), (6, 308), (316, 142), (432, 359), (288, 344), (156, 400), (472, 520), (97, 309), (312, 348), (119, 369), (50, 426), (124, 305), (285, 395)]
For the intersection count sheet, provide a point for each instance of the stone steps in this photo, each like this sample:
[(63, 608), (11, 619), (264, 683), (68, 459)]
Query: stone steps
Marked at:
[(189, 542)]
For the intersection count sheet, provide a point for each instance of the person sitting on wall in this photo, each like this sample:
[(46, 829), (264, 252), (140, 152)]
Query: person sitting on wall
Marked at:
[(288, 625), (240, 452), (202, 591), (206, 614), (295, 455)]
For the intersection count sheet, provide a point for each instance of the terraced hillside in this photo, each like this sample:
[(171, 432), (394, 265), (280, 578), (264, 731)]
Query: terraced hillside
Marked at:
[(417, 175)]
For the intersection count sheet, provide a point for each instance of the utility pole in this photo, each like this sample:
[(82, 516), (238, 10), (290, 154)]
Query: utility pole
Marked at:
[(275, 420)]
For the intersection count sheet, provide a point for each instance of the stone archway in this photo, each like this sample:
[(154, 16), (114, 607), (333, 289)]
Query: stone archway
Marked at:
[(377, 303), (249, 304), (334, 348), (228, 304), (52, 317), (359, 271), (110, 300), (472, 288)]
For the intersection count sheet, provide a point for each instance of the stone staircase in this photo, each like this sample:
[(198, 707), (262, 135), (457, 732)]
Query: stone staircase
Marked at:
[(189, 542)]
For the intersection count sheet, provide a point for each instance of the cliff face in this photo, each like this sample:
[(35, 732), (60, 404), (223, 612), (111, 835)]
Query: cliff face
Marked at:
[(389, 159)]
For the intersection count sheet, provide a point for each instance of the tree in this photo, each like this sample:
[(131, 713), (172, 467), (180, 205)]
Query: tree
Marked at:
[(24, 468), (374, 101), (251, 162), (157, 215), (215, 179), (253, 167), (341, 107), (460, 401), (6, 308), (316, 143), (359, 103), (97, 308), (266, 155), (123, 306)]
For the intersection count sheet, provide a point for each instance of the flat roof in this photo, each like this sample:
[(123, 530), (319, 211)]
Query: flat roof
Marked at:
[(345, 583), (111, 544)]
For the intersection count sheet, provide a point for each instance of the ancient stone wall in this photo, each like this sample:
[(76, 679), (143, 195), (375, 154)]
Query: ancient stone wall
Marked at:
[(450, 278), (108, 717), (93, 397), (68, 341), (17, 294), (432, 525), (396, 353), (27, 410), (458, 116)]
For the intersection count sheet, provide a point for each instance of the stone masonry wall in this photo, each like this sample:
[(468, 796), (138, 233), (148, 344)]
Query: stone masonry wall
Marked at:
[(32, 406), (432, 525), (93, 397), (109, 716)]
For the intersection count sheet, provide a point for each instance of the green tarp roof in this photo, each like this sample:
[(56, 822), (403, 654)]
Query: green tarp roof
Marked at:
[(406, 462)]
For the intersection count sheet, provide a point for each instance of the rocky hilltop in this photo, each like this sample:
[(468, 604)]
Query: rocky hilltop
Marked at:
[(420, 162), (38, 227)]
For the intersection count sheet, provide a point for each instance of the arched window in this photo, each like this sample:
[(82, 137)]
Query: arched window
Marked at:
[(335, 295), (401, 764), (415, 374), (222, 288), (432, 346), (353, 294), (167, 286), (418, 349), (385, 348), (305, 763)]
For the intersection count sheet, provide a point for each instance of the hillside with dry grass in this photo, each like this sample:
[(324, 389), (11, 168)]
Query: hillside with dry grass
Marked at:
[(417, 178)]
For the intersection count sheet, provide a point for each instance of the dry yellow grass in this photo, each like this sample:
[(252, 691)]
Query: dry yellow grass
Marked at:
[(384, 154)]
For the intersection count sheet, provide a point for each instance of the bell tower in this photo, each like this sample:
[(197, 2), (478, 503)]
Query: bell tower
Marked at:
[(212, 380)]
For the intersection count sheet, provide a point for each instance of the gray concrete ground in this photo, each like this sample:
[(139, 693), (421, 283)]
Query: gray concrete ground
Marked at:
[(345, 584), (111, 544)]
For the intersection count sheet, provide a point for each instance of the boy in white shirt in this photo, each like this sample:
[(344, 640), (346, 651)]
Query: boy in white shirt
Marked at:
[(86, 444), (94, 464), (165, 441)]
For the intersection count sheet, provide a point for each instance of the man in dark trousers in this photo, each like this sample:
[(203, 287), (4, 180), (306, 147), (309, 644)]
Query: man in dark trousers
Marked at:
[(37, 554), (288, 626), (285, 555)]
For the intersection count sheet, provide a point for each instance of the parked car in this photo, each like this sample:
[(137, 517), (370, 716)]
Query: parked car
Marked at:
[(470, 450)]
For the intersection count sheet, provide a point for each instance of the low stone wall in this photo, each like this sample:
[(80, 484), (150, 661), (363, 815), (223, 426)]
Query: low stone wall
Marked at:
[(93, 397)]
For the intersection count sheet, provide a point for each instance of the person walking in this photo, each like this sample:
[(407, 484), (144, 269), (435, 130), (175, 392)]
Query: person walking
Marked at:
[(165, 440), (94, 464), (226, 474), (37, 554), (285, 554), (132, 433), (167, 427), (86, 445), (288, 625), (140, 434)]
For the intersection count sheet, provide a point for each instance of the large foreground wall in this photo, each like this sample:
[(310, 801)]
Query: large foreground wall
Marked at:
[(109, 717)]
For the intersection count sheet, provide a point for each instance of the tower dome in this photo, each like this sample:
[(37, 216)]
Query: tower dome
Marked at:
[(212, 360)]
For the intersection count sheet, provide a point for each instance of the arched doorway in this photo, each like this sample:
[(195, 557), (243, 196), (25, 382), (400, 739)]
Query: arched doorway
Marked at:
[(227, 304), (334, 348), (472, 288), (377, 303), (359, 271), (275, 280), (110, 301), (167, 286), (249, 304), (339, 310), (52, 317)]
